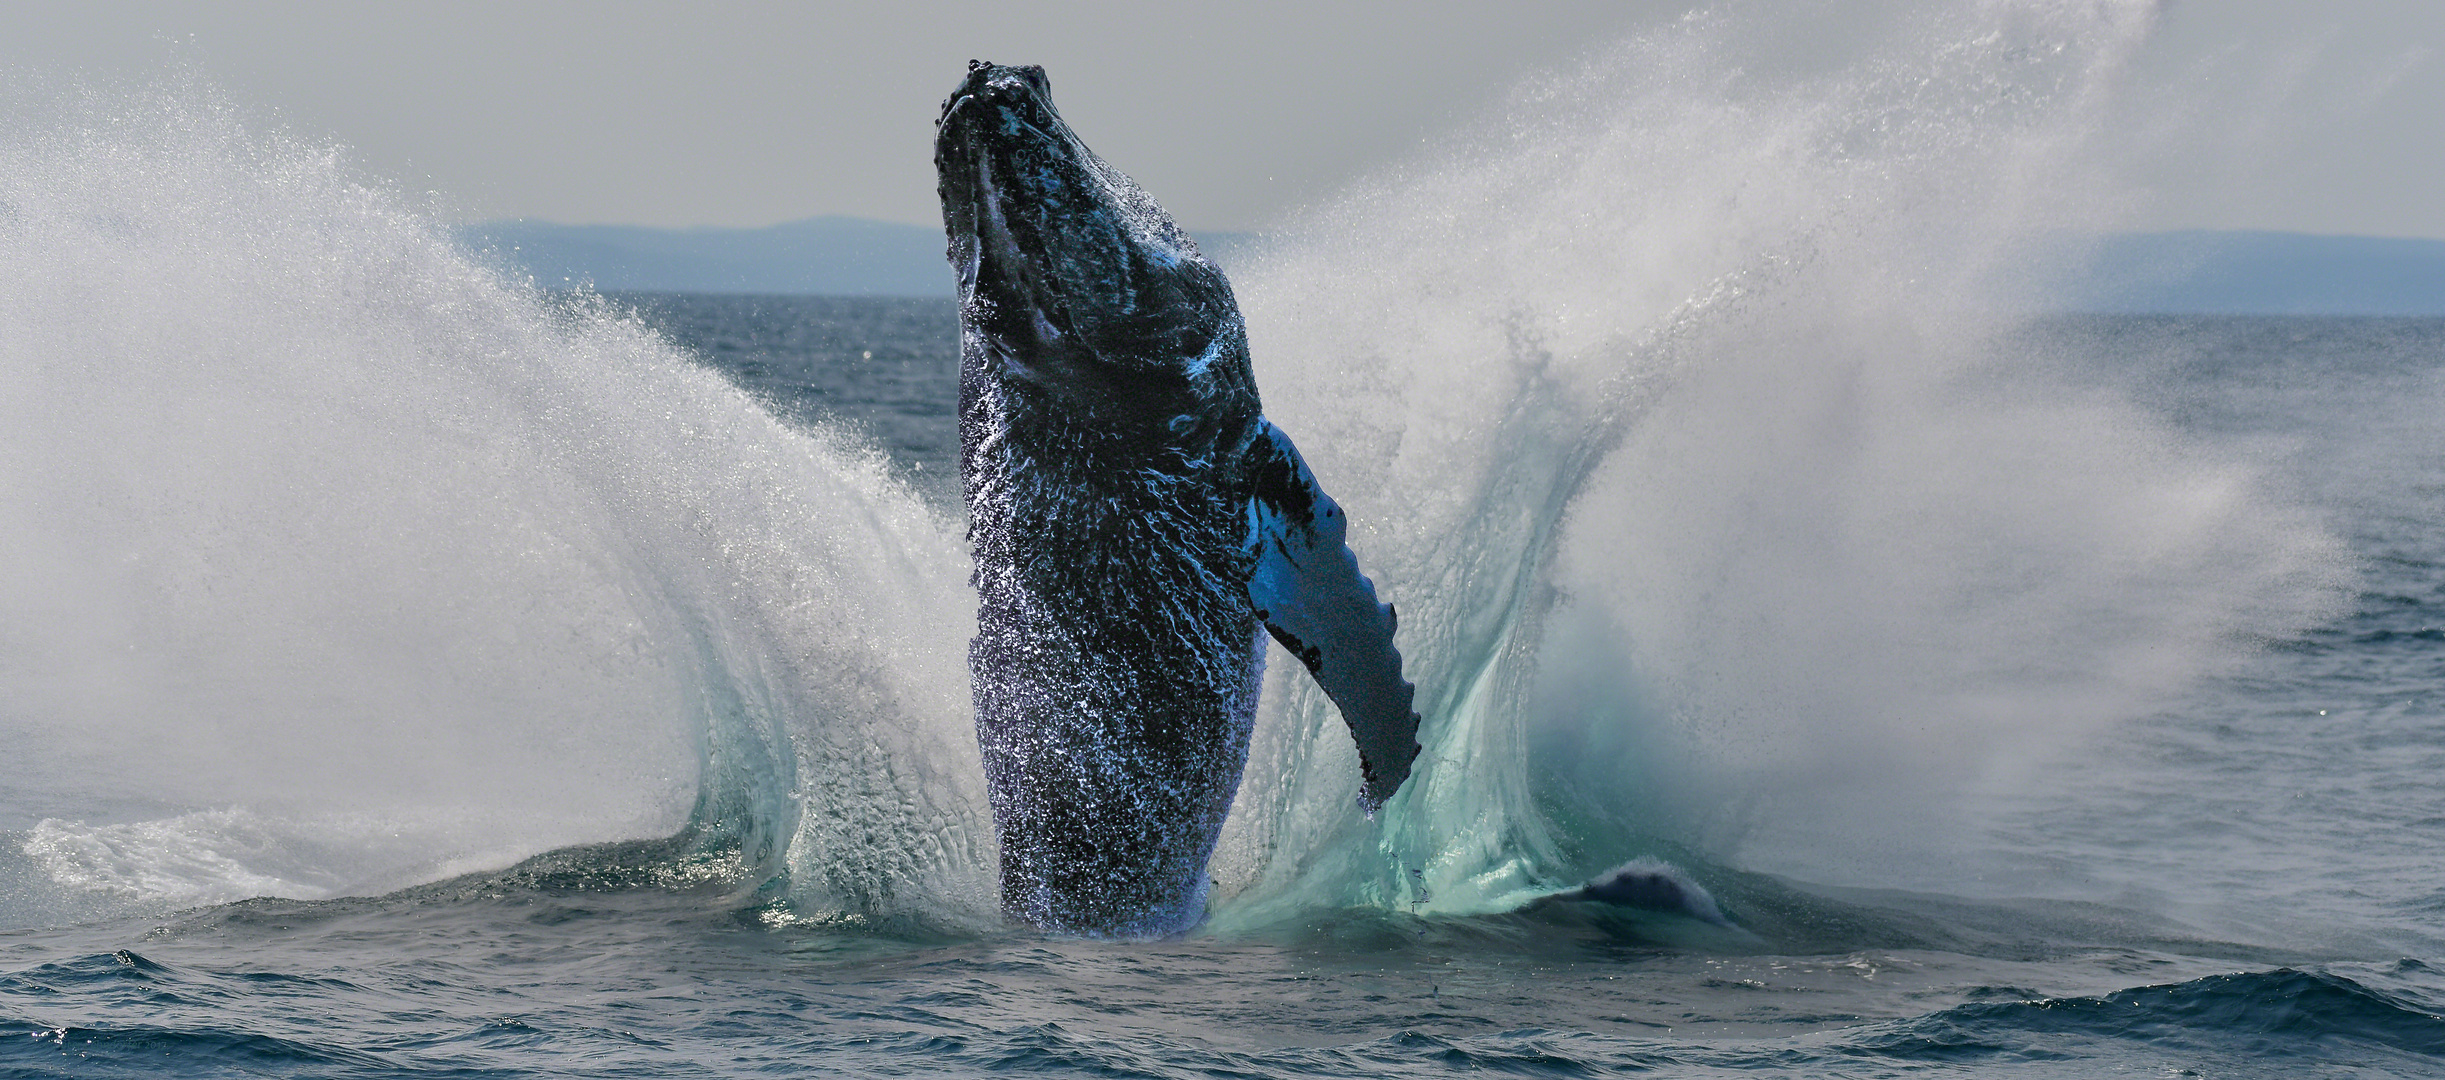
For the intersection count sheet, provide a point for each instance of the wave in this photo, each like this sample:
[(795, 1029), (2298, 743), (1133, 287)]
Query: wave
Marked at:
[(337, 561), (2300, 1014), (2372, 1017), (1682, 412)]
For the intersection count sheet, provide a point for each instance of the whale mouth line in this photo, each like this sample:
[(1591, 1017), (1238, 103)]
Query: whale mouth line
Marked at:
[(1021, 277)]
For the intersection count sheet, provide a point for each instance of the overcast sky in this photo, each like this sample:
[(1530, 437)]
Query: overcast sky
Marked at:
[(1233, 113)]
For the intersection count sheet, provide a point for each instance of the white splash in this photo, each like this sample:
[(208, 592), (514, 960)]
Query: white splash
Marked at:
[(1679, 410)]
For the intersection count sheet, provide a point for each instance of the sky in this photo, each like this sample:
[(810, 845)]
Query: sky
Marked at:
[(745, 114)]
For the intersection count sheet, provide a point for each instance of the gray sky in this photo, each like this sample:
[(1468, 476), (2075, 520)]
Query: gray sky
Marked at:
[(2326, 114)]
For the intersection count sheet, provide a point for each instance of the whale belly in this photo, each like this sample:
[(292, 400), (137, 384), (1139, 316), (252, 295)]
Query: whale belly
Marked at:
[(1111, 757)]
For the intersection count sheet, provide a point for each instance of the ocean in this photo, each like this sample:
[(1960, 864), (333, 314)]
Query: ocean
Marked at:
[(414, 671)]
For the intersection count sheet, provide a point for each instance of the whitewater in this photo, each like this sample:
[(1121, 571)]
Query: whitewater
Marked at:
[(412, 670)]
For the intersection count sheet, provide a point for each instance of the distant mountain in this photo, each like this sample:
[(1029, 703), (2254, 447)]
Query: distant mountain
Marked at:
[(837, 256), (2258, 273), (2198, 272), (828, 256)]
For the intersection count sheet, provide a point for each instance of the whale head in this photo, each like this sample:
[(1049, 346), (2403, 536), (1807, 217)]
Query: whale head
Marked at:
[(1072, 280)]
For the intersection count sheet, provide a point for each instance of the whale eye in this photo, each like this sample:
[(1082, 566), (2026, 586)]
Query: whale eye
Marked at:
[(1180, 424)]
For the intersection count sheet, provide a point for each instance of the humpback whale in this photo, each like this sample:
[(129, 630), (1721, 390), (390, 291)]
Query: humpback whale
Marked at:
[(1138, 526)]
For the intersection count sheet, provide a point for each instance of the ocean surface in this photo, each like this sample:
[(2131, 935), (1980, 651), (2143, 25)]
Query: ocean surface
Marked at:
[(410, 670), (2240, 883)]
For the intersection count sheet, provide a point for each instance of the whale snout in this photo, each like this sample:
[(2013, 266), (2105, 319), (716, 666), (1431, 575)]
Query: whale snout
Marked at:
[(1024, 87), (1075, 276), (1002, 156)]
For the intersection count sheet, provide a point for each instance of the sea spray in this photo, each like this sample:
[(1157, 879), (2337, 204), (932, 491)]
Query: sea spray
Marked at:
[(1703, 352), (320, 530), (1674, 406)]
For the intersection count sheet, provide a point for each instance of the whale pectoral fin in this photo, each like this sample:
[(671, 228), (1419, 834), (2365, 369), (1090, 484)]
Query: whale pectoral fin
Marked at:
[(1307, 589)]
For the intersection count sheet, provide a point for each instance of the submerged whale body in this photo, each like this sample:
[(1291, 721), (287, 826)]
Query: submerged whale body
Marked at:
[(1647, 885), (1137, 527)]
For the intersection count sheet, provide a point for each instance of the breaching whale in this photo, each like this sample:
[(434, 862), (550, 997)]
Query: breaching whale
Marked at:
[(1135, 521)]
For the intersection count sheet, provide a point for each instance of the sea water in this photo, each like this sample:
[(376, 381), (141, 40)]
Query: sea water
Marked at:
[(413, 671)]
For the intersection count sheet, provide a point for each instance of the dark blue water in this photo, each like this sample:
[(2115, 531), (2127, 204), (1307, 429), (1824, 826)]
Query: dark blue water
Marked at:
[(887, 368), (2243, 882)]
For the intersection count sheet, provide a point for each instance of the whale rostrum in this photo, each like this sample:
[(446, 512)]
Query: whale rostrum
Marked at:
[(1137, 527)]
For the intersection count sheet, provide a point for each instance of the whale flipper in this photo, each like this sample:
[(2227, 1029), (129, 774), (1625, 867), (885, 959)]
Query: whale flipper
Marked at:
[(1307, 589)]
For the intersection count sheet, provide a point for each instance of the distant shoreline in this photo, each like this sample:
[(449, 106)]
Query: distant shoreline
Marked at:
[(824, 256), (2193, 272)]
